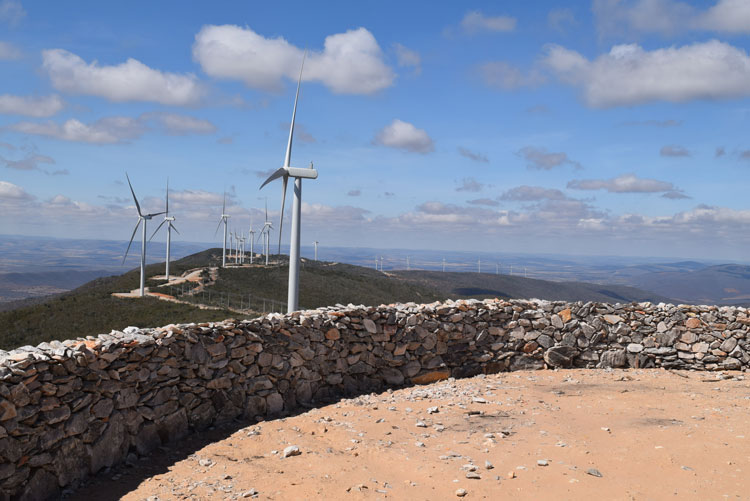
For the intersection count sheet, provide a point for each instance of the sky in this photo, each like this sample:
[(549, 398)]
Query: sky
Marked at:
[(611, 127)]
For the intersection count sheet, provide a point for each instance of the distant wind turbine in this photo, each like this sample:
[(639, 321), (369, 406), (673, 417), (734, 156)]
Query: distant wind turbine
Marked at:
[(141, 218), (223, 219), (298, 174), (167, 219), (443, 265), (251, 235), (265, 233), (315, 243)]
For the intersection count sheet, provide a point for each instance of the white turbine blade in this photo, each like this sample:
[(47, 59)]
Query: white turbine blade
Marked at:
[(155, 214), (131, 240), (224, 205), (173, 227), (157, 229), (167, 208), (288, 156), (137, 205), (283, 201), (221, 220), (277, 174), (266, 210)]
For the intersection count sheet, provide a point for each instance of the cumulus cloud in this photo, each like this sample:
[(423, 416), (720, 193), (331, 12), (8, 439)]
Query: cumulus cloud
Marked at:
[(404, 136), (669, 17), (128, 81), (540, 158), (350, 62), (11, 192), (408, 58), (629, 75), (532, 194), (627, 183), (675, 195), (30, 106), (472, 155), (111, 130), (502, 75), (475, 22), (11, 12), (674, 151), (470, 184), (8, 51)]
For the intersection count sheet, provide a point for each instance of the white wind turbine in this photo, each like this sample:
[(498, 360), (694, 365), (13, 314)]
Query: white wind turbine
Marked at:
[(251, 236), (170, 227), (315, 243), (298, 174), (265, 234), (223, 219), (141, 218)]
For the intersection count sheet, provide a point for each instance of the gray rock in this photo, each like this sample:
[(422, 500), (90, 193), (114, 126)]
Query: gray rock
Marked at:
[(560, 356)]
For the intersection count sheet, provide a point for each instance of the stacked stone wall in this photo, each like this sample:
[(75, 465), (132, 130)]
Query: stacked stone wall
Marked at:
[(69, 409)]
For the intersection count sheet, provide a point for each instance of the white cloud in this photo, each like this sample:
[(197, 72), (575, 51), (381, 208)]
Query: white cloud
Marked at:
[(11, 11), (630, 75), (670, 17), (627, 183), (404, 136), (475, 21), (561, 19), (408, 58), (540, 158), (470, 184), (484, 201), (30, 106), (12, 192), (8, 51), (532, 194), (179, 125), (502, 75), (111, 130), (350, 62), (472, 155), (29, 162), (128, 81)]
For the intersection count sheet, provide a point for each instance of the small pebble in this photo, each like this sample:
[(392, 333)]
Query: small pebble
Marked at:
[(461, 492), (594, 472)]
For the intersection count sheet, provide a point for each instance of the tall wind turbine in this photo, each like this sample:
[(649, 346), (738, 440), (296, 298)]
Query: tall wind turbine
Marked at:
[(298, 174), (141, 218), (315, 243), (251, 236), (170, 227), (223, 219)]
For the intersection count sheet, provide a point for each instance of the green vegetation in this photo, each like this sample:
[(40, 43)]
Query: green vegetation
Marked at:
[(91, 309)]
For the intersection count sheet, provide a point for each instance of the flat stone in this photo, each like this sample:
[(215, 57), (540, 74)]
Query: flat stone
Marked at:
[(635, 348), (370, 326), (560, 356), (693, 323), (431, 377), (612, 319)]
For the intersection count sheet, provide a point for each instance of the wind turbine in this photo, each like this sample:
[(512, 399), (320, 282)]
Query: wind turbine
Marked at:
[(223, 219), (298, 174), (251, 235), (141, 218), (170, 227), (264, 232), (315, 243)]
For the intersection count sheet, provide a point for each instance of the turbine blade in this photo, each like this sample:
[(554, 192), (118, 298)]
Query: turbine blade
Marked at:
[(221, 220), (224, 205), (167, 208), (157, 229), (288, 156), (131, 240), (174, 228), (266, 209), (137, 205), (277, 174), (283, 201), (155, 214)]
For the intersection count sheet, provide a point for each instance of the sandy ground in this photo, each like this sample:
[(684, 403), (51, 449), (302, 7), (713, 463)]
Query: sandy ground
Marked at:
[(568, 434)]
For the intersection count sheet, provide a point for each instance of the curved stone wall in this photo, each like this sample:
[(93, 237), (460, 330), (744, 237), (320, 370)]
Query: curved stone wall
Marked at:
[(69, 409)]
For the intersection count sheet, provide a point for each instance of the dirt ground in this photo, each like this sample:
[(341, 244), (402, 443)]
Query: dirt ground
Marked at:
[(568, 434)]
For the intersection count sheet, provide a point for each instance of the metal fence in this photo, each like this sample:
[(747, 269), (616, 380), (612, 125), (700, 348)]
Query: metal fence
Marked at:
[(247, 302)]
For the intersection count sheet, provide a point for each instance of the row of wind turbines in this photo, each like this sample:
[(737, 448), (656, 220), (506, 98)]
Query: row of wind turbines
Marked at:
[(284, 173)]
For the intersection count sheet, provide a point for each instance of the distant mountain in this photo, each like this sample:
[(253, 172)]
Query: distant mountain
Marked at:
[(14, 286), (722, 284)]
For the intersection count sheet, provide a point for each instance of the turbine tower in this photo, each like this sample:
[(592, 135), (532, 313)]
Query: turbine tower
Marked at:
[(141, 218), (264, 233), (315, 243), (170, 227), (298, 174), (251, 236), (223, 219)]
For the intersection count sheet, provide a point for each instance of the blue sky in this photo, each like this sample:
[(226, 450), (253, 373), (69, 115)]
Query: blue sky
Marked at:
[(609, 127)]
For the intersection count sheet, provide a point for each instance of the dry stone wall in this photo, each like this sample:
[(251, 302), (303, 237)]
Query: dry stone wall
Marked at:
[(69, 409)]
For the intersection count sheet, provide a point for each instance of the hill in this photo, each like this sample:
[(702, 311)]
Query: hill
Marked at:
[(91, 309), (721, 284)]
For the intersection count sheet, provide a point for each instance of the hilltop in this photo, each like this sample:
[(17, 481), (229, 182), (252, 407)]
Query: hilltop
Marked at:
[(247, 291)]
